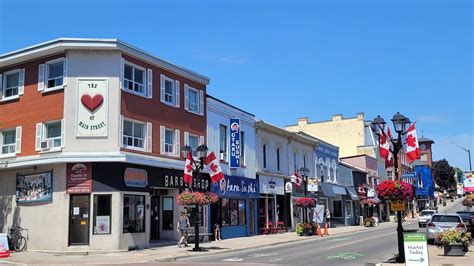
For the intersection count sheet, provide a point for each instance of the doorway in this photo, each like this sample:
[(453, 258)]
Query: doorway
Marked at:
[(252, 217), (79, 220), (155, 218)]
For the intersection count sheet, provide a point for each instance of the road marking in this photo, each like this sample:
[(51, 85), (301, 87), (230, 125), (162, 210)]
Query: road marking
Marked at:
[(339, 239), (345, 256), (263, 255), (233, 260), (360, 240), (276, 260)]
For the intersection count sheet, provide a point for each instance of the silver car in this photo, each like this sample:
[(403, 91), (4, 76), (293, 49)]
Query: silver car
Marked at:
[(425, 217), (443, 222)]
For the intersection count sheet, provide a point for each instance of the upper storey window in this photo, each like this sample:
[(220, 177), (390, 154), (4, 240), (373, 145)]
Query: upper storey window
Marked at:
[(194, 100), (12, 84), (136, 79), (170, 91), (52, 75)]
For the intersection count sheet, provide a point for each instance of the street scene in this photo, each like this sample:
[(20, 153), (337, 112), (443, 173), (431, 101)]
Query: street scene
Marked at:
[(236, 133)]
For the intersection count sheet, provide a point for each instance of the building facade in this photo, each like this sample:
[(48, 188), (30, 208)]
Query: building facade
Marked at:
[(236, 210), (97, 130)]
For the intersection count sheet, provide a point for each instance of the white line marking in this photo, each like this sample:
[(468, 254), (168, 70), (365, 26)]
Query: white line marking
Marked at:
[(233, 260)]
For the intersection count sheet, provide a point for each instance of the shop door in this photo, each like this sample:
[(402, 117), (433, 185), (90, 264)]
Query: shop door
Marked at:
[(79, 220), (252, 217), (155, 218)]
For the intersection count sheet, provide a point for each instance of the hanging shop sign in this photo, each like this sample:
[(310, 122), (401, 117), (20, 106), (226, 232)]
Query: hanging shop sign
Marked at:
[(468, 182), (312, 184), (271, 185), (79, 178), (33, 188), (397, 205), (288, 187), (200, 182), (416, 249), (92, 108), (236, 187), (134, 177), (234, 143)]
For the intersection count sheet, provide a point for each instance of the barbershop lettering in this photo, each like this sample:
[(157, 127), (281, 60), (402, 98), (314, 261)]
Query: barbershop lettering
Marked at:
[(171, 181)]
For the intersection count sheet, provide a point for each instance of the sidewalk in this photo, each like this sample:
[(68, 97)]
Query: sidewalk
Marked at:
[(171, 253), (436, 257)]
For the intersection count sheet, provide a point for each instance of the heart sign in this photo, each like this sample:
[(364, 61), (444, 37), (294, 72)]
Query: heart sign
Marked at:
[(92, 103)]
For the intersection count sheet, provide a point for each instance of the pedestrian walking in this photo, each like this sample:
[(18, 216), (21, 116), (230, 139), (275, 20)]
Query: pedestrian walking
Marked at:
[(217, 232), (328, 217), (183, 227)]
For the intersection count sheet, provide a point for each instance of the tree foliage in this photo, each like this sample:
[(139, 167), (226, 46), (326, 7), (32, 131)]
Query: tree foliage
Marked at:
[(443, 174)]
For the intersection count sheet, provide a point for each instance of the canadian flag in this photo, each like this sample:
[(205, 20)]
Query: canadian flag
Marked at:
[(384, 146), (410, 144), (297, 180), (389, 158), (188, 169), (212, 165)]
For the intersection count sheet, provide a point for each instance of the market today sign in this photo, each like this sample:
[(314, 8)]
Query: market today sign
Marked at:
[(92, 108), (416, 249)]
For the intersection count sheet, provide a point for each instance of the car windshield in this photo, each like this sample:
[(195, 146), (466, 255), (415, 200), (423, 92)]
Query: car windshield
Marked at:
[(445, 219), (426, 213), (465, 215)]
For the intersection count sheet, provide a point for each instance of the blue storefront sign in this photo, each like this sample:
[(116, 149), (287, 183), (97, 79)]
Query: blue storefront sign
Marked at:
[(234, 143), (236, 187)]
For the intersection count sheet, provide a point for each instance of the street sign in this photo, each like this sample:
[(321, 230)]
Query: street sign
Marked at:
[(397, 205), (416, 249)]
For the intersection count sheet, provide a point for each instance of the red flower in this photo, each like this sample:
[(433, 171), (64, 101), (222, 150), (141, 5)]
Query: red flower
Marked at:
[(305, 203), (391, 190), (196, 198)]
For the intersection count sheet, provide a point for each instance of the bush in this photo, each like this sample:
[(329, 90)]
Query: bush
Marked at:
[(369, 222), (452, 237)]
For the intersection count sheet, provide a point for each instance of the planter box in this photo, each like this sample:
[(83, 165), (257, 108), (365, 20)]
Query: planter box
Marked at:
[(454, 250), (307, 232)]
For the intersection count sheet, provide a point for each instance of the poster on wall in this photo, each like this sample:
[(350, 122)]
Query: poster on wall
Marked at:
[(102, 225), (92, 108), (318, 215), (79, 178), (33, 188), (234, 143)]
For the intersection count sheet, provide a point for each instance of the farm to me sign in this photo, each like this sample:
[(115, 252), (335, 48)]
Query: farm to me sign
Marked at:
[(79, 178), (92, 108), (397, 205), (416, 249)]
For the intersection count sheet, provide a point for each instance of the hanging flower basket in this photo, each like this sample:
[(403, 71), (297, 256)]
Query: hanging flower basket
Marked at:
[(395, 190), (196, 198), (305, 203)]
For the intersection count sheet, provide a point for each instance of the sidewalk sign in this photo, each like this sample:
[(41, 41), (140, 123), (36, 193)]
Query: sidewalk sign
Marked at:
[(416, 249), (397, 205), (4, 250)]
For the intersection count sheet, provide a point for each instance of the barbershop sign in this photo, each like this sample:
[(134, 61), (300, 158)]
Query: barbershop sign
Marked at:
[(177, 181), (236, 187)]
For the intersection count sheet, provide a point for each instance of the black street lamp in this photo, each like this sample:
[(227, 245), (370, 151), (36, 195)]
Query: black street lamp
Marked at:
[(400, 123), (304, 172), (201, 152)]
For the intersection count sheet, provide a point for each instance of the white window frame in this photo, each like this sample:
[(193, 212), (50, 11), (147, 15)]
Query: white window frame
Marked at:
[(46, 74), (145, 137), (41, 136), (172, 144), (200, 139), (3, 85), (176, 142), (10, 154), (200, 99), (176, 91), (55, 138), (144, 85), (223, 154), (352, 209), (243, 158)]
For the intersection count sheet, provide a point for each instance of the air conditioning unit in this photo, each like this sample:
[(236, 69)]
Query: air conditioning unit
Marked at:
[(46, 145)]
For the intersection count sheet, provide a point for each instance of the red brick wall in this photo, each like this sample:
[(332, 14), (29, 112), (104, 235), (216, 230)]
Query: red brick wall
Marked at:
[(159, 114), (32, 107)]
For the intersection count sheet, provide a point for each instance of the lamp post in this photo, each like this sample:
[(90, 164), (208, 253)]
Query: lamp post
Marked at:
[(466, 150), (400, 123), (304, 175), (197, 168)]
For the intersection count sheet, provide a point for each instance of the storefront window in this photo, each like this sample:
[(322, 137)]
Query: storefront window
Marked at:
[(167, 214), (337, 208), (133, 214), (348, 209), (241, 212), (225, 212), (102, 214), (234, 212)]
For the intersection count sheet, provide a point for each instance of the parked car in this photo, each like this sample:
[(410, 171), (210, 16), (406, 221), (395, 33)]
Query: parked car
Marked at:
[(442, 222), (468, 219), (425, 217)]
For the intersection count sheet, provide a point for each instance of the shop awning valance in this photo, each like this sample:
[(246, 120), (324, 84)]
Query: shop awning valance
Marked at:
[(351, 192), (331, 190)]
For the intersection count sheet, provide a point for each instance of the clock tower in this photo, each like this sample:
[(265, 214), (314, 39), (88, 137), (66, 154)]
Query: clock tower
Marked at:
[(426, 151)]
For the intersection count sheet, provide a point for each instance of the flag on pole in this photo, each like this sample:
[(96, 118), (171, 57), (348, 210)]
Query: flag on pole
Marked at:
[(410, 144), (389, 158), (212, 165), (384, 146), (188, 169), (297, 180)]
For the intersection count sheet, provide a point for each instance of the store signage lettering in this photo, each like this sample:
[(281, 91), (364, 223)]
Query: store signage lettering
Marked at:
[(135, 177), (271, 185), (233, 186), (92, 108), (79, 178), (171, 181), (234, 143)]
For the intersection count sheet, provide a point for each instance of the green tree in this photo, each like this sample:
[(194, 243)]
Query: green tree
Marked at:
[(459, 174), (443, 175)]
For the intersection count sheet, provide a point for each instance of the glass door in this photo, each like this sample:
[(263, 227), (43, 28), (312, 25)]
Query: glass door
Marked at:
[(79, 220)]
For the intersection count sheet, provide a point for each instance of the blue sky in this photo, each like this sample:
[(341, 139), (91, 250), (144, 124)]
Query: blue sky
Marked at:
[(287, 59)]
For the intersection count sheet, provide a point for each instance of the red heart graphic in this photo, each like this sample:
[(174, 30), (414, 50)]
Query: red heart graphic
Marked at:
[(92, 103)]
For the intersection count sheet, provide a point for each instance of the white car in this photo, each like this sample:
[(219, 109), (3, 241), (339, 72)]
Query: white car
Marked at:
[(425, 217), (443, 222)]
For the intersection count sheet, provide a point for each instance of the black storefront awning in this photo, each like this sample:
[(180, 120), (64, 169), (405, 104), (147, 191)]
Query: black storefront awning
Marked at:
[(351, 191), (332, 190)]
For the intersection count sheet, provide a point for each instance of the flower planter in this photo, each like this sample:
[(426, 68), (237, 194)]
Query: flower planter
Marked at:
[(307, 232), (454, 250)]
